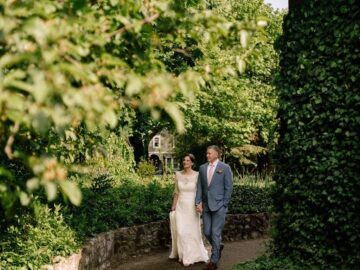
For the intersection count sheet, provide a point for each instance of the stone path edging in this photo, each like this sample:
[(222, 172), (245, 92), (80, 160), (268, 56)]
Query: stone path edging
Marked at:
[(119, 244)]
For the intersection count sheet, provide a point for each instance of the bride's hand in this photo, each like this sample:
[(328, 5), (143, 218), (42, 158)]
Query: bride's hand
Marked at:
[(173, 208), (199, 208)]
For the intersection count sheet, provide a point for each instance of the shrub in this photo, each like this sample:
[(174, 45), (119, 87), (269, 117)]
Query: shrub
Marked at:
[(250, 199), (266, 262), (317, 178), (135, 203), (101, 182), (270, 263), (35, 239), (131, 203), (146, 169), (113, 158)]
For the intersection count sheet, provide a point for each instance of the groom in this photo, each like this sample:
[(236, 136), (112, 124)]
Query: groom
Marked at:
[(212, 199)]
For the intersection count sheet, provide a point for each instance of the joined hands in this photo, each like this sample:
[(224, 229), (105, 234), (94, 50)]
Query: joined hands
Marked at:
[(199, 208)]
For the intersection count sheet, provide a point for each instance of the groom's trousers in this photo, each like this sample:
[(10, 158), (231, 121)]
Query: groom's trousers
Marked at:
[(213, 224)]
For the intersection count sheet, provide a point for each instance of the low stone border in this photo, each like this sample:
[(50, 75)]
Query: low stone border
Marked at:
[(122, 243), (244, 227)]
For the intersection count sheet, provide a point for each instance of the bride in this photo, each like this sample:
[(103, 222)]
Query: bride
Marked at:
[(187, 244)]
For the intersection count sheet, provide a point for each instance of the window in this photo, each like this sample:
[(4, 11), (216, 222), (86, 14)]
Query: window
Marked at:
[(156, 141), (176, 164)]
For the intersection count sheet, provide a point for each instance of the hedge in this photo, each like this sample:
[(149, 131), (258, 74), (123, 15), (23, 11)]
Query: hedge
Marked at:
[(318, 156), (134, 203)]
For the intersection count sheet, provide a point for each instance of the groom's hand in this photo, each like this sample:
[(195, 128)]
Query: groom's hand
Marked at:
[(199, 208)]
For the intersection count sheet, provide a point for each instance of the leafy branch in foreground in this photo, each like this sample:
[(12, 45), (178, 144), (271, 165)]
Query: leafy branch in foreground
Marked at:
[(77, 67)]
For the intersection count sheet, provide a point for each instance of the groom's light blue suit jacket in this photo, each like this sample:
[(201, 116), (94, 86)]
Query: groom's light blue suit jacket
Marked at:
[(218, 193)]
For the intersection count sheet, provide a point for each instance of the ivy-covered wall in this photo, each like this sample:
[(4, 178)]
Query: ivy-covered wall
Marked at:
[(317, 194)]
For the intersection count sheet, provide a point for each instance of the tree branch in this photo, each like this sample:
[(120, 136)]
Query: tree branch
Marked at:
[(10, 141)]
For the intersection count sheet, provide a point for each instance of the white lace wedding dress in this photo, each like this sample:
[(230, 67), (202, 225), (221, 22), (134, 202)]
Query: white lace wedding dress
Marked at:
[(187, 243)]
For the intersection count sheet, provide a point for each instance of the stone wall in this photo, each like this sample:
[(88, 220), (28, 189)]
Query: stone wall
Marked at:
[(244, 227), (131, 241)]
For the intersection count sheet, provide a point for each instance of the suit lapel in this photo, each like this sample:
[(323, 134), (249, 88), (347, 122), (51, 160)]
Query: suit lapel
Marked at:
[(205, 174)]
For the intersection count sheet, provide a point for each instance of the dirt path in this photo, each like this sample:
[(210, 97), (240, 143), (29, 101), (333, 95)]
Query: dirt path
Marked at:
[(234, 252)]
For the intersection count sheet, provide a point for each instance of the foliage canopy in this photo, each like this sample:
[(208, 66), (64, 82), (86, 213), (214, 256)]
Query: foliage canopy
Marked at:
[(229, 110), (71, 70)]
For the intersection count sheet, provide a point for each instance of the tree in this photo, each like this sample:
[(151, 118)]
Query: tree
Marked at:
[(76, 68), (143, 128), (235, 107)]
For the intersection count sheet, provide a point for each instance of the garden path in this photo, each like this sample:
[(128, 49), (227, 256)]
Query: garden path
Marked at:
[(234, 253)]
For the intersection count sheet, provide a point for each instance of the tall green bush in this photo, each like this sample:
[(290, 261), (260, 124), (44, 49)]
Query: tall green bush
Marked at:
[(35, 240), (318, 157)]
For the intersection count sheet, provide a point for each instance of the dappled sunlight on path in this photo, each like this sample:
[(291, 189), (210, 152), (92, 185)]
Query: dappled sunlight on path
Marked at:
[(234, 252)]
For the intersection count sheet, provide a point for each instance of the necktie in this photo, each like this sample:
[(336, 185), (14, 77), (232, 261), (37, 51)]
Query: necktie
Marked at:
[(210, 174)]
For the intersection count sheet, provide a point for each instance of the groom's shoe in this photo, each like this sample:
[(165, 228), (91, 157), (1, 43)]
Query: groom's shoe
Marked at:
[(210, 266), (221, 249)]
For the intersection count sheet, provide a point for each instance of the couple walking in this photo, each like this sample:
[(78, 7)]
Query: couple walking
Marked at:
[(206, 192)]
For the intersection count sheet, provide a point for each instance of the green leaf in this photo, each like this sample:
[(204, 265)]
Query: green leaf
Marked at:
[(51, 190), (72, 191), (6, 173), (134, 85), (244, 38), (24, 198), (111, 118), (3, 187), (41, 122), (40, 88), (32, 184), (240, 64), (174, 112)]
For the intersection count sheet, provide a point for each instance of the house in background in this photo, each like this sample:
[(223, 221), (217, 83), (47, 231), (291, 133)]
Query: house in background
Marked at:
[(162, 152)]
